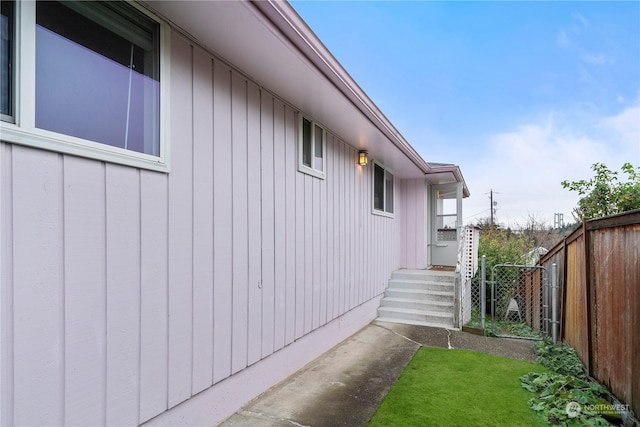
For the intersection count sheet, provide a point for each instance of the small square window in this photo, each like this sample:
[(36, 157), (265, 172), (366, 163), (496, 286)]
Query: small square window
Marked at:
[(383, 189), (311, 148)]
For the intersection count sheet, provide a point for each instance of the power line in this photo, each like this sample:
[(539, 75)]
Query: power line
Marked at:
[(476, 214)]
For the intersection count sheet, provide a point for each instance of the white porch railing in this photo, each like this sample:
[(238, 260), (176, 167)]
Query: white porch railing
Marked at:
[(466, 266)]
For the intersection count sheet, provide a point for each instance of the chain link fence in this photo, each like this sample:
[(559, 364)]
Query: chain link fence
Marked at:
[(519, 301), (513, 301), (476, 306)]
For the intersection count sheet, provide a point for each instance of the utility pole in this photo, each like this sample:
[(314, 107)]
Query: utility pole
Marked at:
[(493, 209), (491, 199)]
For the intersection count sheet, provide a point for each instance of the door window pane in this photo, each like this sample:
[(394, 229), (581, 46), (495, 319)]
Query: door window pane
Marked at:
[(446, 214)]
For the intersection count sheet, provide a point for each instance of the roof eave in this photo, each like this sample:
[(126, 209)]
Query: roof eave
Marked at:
[(284, 17), (451, 169)]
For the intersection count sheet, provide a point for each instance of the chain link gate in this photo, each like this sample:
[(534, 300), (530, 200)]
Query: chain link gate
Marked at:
[(519, 300), (505, 305)]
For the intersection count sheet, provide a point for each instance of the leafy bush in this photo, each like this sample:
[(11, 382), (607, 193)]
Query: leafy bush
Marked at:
[(559, 357), (520, 329), (556, 393), (566, 397), (503, 247), (603, 194)]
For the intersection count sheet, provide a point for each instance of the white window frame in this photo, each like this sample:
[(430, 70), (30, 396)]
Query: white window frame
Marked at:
[(12, 78), (23, 130), (310, 170), (386, 171)]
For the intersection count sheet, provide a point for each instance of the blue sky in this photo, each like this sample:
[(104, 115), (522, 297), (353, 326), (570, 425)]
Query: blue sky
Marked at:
[(521, 95)]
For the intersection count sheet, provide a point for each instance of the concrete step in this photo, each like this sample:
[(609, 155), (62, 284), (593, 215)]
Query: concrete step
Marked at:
[(415, 304), (420, 294), (419, 297), (421, 284), (407, 314), (415, 322), (429, 275)]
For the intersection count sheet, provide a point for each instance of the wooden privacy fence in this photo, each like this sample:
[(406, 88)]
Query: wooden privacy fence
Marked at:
[(599, 277), (536, 299)]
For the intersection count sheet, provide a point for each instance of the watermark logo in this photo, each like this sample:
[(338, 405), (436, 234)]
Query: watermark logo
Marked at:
[(573, 409)]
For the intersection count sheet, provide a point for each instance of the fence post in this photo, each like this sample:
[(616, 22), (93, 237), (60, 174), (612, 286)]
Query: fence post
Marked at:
[(554, 302), (546, 318), (483, 290)]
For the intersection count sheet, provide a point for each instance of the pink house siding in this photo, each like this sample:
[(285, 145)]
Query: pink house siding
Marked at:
[(127, 292), (413, 214)]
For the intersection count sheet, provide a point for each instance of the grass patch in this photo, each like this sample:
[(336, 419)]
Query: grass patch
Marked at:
[(443, 387)]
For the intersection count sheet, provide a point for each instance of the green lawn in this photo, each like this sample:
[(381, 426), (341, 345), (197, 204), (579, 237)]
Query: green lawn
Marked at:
[(441, 387)]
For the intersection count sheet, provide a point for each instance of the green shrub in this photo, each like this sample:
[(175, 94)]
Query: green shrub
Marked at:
[(565, 399), (560, 358), (566, 396)]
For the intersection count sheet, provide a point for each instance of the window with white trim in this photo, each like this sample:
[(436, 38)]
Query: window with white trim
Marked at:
[(311, 148), (90, 80), (383, 188), (7, 48)]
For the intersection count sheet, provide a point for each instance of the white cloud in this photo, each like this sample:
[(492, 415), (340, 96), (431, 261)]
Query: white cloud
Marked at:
[(625, 128), (584, 41), (580, 21), (584, 76), (598, 59), (526, 165), (563, 39)]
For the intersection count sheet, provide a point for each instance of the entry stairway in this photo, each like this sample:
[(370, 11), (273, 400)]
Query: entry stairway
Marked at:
[(419, 297)]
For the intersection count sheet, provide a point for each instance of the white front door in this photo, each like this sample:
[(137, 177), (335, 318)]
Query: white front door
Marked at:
[(445, 229)]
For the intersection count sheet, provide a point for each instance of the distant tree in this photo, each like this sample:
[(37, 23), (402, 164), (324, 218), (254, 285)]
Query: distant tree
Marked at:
[(485, 224), (503, 246), (540, 233), (603, 194)]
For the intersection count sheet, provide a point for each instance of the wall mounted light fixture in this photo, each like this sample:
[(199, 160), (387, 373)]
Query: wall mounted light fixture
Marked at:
[(363, 157)]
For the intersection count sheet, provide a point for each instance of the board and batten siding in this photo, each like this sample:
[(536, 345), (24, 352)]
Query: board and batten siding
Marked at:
[(413, 214), (126, 292)]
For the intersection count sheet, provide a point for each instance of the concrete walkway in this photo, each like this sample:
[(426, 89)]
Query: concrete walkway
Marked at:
[(344, 386)]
